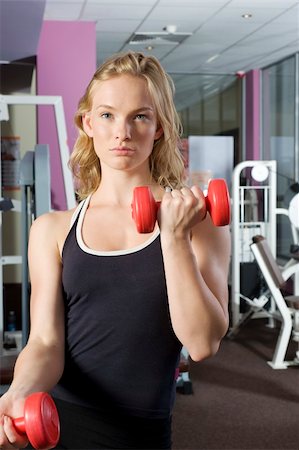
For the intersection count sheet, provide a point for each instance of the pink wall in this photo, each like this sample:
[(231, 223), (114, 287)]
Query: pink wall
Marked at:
[(66, 60), (253, 115)]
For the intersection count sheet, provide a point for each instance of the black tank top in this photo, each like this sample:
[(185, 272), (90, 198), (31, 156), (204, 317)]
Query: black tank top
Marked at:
[(121, 350)]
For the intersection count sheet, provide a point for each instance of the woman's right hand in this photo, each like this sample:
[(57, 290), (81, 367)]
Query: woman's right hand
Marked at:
[(11, 407)]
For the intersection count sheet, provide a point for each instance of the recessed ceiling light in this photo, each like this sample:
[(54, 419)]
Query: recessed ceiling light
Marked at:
[(247, 16), (212, 58), (149, 47)]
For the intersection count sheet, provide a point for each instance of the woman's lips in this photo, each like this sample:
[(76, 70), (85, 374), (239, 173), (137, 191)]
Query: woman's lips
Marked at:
[(122, 151)]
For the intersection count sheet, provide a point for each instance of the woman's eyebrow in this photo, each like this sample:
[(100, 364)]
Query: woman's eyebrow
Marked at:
[(142, 108), (105, 107)]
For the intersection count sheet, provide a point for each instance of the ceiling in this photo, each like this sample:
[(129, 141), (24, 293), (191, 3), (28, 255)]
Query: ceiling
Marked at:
[(220, 40), (213, 41)]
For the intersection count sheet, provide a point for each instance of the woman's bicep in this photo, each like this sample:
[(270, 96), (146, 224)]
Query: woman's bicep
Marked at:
[(212, 247)]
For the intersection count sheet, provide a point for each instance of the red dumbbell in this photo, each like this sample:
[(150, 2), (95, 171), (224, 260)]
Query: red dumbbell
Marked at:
[(40, 422), (144, 206)]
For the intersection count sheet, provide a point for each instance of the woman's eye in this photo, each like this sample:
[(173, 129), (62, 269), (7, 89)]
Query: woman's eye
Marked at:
[(106, 115), (140, 116)]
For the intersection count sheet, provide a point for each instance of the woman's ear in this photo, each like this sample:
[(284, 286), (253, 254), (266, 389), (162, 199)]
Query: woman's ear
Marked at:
[(159, 132), (87, 126)]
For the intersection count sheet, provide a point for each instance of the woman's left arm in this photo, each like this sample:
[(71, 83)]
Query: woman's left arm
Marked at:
[(196, 260)]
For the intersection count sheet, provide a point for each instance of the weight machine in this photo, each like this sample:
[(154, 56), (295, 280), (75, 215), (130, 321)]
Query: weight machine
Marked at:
[(287, 311), (35, 187), (254, 205), (56, 102), (254, 193), (35, 200)]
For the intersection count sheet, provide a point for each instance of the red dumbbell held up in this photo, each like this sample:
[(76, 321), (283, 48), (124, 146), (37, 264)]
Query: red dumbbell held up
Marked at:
[(40, 422), (145, 208)]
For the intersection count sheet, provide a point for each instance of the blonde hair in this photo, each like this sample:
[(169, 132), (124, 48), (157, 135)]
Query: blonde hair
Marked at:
[(166, 162)]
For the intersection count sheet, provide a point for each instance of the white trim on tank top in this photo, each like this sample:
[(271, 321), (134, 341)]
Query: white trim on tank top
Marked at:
[(81, 210)]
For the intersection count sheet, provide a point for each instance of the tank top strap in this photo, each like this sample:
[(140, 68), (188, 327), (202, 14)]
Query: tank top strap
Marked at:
[(78, 210)]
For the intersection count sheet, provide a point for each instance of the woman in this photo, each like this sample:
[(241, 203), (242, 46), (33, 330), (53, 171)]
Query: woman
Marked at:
[(110, 307)]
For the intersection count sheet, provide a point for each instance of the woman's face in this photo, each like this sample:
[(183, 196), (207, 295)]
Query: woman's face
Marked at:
[(122, 123)]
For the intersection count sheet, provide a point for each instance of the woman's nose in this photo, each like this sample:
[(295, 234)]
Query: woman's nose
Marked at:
[(123, 131)]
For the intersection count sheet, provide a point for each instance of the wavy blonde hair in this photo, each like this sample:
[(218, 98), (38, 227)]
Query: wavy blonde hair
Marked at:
[(166, 162)]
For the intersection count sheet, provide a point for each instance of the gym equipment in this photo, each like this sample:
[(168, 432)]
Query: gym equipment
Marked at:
[(35, 187), (253, 212), (6, 204), (145, 208), (56, 102), (294, 211), (40, 422), (257, 280), (287, 311)]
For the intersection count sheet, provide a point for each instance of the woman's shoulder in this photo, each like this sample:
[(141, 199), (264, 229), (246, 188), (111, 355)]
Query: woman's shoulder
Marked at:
[(54, 219), (52, 227)]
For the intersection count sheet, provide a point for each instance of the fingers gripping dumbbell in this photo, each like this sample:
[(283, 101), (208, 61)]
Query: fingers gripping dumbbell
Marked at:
[(40, 422), (145, 208)]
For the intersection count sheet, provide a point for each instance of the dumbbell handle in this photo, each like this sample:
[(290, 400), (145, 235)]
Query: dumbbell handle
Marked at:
[(19, 425), (144, 206)]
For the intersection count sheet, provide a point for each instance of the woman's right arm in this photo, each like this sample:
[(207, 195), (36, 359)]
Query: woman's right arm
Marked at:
[(40, 364)]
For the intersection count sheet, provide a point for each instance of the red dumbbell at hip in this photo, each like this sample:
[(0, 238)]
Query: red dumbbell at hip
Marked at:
[(40, 422), (145, 208)]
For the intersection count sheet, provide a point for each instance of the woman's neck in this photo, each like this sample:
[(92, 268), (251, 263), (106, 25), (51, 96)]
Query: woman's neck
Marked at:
[(117, 188)]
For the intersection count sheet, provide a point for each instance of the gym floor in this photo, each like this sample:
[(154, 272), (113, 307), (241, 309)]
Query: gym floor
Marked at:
[(239, 402)]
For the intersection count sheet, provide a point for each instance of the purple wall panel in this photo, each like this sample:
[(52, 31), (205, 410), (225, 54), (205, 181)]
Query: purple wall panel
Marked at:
[(66, 60)]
